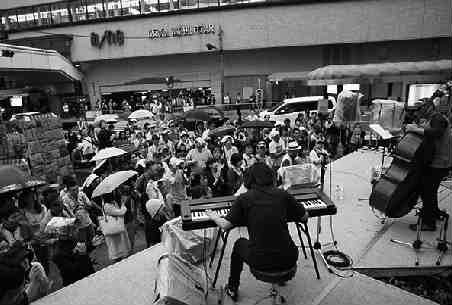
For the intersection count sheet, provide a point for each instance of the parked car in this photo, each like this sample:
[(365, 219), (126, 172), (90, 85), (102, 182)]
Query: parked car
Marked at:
[(290, 108)]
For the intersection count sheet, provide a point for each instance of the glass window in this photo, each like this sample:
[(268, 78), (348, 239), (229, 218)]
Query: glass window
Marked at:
[(165, 5), (77, 10), (113, 8), (60, 13), (44, 15), (188, 4), (207, 3), (149, 6), (95, 9), (131, 7), (25, 17)]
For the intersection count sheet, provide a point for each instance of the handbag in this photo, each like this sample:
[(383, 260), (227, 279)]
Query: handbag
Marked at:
[(111, 225)]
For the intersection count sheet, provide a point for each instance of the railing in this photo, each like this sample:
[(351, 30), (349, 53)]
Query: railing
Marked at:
[(68, 12)]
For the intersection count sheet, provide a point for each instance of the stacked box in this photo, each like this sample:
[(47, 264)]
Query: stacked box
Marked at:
[(41, 141)]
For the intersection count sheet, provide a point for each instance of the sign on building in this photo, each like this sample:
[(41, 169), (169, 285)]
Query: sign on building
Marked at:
[(182, 30)]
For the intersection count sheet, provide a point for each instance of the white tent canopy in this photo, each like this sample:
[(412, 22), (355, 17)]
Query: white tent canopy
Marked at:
[(384, 72)]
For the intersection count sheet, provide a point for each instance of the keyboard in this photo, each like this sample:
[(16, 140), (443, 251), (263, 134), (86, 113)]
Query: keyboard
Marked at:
[(193, 212)]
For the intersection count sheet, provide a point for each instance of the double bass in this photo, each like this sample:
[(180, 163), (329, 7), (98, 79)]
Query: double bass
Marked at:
[(398, 189)]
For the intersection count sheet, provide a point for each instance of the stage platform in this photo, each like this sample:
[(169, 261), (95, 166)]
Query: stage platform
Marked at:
[(359, 233)]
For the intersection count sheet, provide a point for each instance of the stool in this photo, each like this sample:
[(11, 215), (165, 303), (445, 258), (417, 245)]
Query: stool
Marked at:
[(274, 278)]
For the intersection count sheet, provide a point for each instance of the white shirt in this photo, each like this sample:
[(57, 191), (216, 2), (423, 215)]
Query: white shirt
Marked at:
[(229, 152), (200, 157)]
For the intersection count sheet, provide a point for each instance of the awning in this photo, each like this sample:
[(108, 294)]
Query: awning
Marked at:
[(288, 76), (37, 66), (439, 70)]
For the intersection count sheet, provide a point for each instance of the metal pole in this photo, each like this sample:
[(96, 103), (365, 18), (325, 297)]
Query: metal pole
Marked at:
[(220, 37)]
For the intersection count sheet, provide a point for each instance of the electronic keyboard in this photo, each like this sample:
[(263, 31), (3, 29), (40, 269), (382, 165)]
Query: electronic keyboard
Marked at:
[(193, 212)]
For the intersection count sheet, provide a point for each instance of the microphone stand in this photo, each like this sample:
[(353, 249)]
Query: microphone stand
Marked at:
[(317, 243)]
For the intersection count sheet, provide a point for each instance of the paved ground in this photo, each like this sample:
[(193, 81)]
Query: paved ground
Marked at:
[(357, 230)]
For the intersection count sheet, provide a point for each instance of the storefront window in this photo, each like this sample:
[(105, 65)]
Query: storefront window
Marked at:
[(95, 9), (149, 6), (11, 20), (44, 14), (188, 4), (60, 13), (77, 10), (113, 8), (207, 3), (165, 5), (25, 17), (131, 7)]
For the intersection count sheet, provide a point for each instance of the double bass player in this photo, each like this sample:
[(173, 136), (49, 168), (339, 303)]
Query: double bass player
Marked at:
[(436, 130)]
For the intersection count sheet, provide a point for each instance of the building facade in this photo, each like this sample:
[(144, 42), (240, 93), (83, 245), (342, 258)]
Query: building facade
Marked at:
[(125, 46)]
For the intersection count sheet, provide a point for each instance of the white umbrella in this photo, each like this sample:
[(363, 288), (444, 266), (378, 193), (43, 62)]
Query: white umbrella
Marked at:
[(108, 152), (141, 114), (109, 118), (110, 183)]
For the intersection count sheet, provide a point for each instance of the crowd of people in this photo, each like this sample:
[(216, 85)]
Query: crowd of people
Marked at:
[(172, 164)]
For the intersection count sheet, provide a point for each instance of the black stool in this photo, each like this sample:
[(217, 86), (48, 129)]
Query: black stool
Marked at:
[(274, 278)]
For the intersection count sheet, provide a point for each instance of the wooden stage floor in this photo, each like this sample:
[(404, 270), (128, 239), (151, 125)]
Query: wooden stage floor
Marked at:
[(359, 233)]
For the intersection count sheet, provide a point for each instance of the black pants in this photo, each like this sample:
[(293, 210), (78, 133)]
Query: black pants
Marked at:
[(241, 253), (431, 181), (152, 231)]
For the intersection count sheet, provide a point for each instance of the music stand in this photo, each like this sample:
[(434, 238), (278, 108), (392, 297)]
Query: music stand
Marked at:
[(385, 135)]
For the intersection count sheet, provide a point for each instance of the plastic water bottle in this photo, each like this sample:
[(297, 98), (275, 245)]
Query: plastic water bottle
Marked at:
[(339, 193)]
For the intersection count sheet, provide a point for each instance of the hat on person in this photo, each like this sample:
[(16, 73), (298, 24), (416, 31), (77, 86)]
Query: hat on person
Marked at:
[(293, 146), (175, 162), (261, 144), (199, 141), (225, 139), (274, 133)]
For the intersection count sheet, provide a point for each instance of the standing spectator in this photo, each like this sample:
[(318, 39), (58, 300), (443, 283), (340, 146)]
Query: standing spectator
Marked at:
[(118, 245), (130, 200), (261, 156), (228, 149), (248, 157), (227, 99), (105, 136), (75, 204), (276, 148), (238, 98), (200, 154), (235, 175)]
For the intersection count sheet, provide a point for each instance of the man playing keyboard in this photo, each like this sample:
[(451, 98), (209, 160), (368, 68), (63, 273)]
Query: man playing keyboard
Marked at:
[(265, 210)]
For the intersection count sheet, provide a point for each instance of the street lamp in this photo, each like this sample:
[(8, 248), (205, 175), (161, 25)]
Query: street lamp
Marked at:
[(211, 47)]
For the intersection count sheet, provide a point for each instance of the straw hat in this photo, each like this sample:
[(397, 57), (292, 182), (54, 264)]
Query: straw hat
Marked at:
[(293, 146)]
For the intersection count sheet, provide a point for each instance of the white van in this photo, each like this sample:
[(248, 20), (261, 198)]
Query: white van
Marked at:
[(290, 108)]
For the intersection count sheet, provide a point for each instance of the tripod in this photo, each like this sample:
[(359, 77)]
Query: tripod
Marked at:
[(418, 243)]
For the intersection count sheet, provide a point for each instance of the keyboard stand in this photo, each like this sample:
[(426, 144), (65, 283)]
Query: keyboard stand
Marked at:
[(305, 230), (224, 237)]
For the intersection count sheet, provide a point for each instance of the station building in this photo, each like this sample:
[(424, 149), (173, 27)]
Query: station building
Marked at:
[(133, 46)]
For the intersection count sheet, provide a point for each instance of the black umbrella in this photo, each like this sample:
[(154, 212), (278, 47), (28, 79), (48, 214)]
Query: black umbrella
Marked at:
[(196, 115), (11, 179), (258, 124), (221, 131)]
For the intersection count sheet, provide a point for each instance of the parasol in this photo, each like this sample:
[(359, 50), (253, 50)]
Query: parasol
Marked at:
[(221, 131), (258, 124), (107, 153), (109, 118), (141, 114), (112, 182)]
